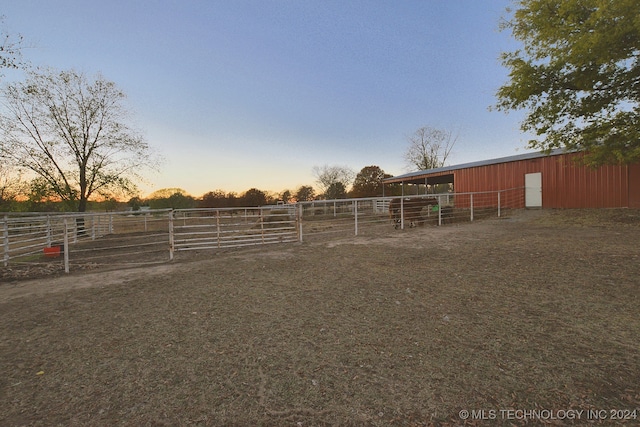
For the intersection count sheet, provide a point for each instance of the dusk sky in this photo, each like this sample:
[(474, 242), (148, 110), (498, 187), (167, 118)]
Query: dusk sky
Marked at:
[(240, 94)]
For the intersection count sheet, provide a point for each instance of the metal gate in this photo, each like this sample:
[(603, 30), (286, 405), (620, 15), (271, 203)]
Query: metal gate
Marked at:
[(193, 229)]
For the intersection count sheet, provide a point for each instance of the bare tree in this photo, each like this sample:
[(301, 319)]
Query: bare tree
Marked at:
[(326, 176), (71, 132), (10, 49), (429, 148), (11, 184)]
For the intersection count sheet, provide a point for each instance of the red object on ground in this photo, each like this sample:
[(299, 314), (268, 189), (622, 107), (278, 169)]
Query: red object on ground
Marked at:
[(52, 252)]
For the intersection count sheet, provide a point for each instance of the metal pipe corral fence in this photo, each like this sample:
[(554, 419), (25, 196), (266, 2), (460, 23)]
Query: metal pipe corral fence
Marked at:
[(88, 240)]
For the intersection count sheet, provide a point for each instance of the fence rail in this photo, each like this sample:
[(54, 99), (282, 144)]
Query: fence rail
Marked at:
[(91, 239)]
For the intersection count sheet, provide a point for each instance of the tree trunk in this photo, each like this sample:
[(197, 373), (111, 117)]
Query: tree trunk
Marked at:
[(82, 207)]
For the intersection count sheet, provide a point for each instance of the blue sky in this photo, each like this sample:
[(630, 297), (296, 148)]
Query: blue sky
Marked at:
[(239, 94)]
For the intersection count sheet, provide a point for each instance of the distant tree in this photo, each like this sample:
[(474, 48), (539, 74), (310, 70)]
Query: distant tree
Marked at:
[(11, 187), (110, 204), (394, 189), (429, 148), (181, 201), (135, 203), (578, 75), (336, 190), (232, 199), (253, 197), (177, 200), (368, 182), (271, 197), (286, 196), (41, 198), (70, 131), (214, 199), (305, 193), (326, 176), (165, 193)]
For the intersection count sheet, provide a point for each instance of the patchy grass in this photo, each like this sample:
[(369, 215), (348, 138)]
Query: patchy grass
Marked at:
[(405, 328)]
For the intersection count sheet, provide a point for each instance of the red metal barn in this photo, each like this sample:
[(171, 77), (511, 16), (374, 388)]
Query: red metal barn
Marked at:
[(557, 180)]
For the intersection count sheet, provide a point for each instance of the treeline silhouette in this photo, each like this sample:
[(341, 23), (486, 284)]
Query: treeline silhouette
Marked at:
[(367, 183)]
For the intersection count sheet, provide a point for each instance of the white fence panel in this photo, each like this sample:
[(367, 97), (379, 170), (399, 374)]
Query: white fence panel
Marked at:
[(195, 229)]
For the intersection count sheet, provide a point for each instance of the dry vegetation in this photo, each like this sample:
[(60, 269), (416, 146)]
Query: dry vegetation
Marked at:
[(538, 311)]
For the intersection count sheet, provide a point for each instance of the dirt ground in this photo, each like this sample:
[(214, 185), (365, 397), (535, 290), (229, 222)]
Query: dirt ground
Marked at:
[(527, 320)]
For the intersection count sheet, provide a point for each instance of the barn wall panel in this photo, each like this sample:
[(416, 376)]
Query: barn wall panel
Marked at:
[(573, 185), (566, 183)]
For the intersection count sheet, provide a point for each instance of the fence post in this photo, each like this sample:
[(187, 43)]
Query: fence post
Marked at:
[(65, 241), (402, 213), (171, 235), (48, 231), (76, 230), (110, 224), (355, 211), (218, 226), (262, 225), (471, 207), (439, 210), (299, 211), (5, 239), (498, 204)]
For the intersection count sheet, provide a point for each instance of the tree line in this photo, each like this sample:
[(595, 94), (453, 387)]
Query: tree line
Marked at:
[(335, 182)]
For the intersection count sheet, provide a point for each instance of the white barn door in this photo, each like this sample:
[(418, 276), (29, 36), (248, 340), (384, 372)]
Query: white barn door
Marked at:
[(533, 190)]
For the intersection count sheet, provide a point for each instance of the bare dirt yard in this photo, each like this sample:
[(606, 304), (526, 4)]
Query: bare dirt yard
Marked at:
[(528, 320)]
